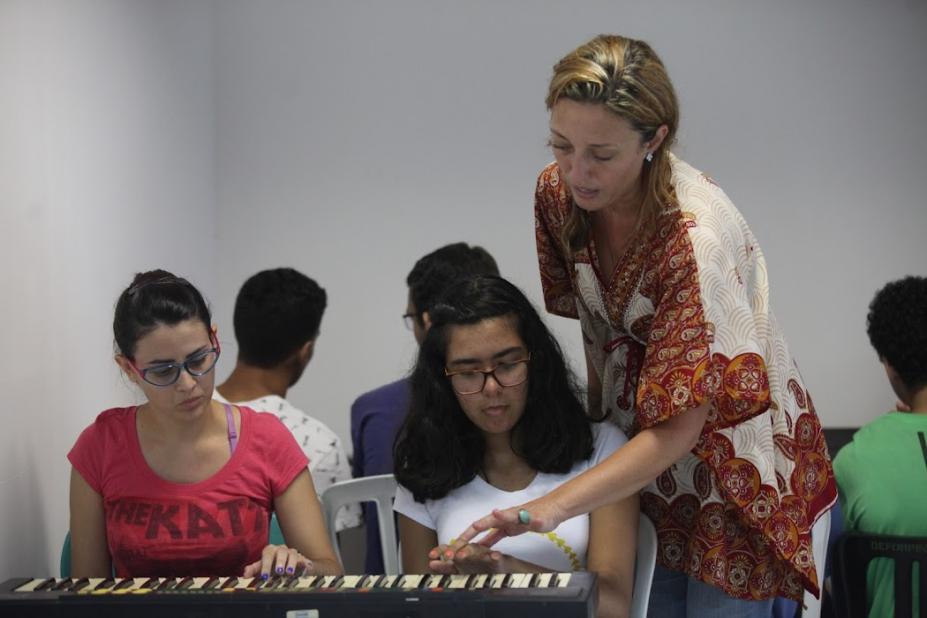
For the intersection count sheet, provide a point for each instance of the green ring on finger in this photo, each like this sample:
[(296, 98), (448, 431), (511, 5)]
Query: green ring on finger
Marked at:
[(524, 517)]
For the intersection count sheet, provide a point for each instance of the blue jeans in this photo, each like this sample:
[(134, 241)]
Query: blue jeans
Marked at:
[(676, 595)]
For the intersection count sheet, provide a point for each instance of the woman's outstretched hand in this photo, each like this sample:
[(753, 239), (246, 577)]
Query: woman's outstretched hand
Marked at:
[(540, 515)]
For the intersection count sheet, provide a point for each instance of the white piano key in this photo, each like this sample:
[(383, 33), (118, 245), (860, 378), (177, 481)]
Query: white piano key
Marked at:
[(543, 580), (328, 580), (458, 582), (563, 580), (479, 582), (434, 581), (411, 581), (496, 581), (349, 582), (304, 582), (388, 581)]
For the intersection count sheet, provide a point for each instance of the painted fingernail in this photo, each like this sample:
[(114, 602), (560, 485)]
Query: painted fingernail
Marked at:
[(448, 554), (264, 576), (279, 570), (290, 570)]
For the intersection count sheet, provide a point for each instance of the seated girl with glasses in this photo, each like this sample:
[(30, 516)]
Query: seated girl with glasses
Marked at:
[(182, 485), (495, 419)]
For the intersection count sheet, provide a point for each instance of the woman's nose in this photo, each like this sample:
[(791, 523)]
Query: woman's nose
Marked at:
[(491, 386)]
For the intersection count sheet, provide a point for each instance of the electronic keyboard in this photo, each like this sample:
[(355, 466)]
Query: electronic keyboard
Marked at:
[(511, 595)]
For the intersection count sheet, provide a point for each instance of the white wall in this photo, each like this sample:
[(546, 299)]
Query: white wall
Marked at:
[(106, 168), (348, 138), (353, 137)]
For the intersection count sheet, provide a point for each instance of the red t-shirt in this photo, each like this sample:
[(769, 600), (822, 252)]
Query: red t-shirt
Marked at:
[(159, 528)]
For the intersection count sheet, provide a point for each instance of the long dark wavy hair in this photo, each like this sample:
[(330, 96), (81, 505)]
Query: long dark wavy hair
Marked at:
[(438, 448)]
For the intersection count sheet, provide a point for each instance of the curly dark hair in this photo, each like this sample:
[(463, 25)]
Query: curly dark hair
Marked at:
[(897, 327), (438, 448), (277, 311)]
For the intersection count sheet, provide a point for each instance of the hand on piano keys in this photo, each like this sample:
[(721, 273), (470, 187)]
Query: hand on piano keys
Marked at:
[(279, 560), (470, 558)]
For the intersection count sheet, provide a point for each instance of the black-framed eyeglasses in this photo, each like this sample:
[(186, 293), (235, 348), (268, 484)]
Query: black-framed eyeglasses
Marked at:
[(166, 374), (473, 381), (409, 320)]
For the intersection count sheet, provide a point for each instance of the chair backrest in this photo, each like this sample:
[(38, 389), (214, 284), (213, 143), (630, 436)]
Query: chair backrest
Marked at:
[(852, 554), (64, 565), (643, 568), (380, 489)]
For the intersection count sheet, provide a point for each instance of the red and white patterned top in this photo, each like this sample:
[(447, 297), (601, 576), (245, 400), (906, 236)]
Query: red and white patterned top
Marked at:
[(685, 319)]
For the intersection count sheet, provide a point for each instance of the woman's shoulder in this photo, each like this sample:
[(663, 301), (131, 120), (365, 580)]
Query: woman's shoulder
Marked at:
[(108, 430), (686, 176), (266, 428), (113, 419), (704, 212)]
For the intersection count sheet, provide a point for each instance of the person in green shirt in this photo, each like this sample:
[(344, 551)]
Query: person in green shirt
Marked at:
[(882, 473)]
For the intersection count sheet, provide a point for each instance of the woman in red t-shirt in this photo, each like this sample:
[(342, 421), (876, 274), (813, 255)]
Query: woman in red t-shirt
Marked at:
[(182, 485)]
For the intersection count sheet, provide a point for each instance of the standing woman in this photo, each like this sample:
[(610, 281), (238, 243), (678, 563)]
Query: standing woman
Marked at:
[(683, 353), (182, 485)]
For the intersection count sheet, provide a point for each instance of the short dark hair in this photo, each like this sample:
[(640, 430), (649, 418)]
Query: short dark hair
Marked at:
[(153, 298), (438, 448), (277, 311), (433, 272), (897, 328)]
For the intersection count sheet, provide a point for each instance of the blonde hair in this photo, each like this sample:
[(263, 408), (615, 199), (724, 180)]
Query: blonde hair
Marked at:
[(629, 78)]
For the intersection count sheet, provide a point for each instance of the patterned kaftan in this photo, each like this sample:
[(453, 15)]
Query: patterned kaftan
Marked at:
[(685, 319)]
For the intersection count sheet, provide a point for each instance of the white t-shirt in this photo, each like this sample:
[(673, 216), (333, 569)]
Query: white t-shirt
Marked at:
[(562, 550), (328, 463)]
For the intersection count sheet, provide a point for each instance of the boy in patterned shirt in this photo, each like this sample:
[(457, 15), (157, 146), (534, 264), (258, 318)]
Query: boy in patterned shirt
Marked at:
[(277, 318)]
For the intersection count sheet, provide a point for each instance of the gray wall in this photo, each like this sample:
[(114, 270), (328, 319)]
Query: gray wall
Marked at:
[(106, 168), (348, 138)]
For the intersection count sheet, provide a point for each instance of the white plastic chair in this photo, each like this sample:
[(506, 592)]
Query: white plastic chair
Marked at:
[(380, 489), (643, 568)]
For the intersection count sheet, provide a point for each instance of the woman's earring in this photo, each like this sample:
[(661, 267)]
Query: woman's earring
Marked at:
[(649, 157)]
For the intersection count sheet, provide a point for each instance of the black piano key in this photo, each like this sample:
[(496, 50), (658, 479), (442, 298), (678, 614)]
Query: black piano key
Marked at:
[(291, 581), (167, 584), (336, 583), (318, 581), (185, 583), (106, 584), (150, 584), (80, 584), (45, 585), (370, 581), (275, 582), (64, 584), (123, 584), (212, 582), (231, 582)]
